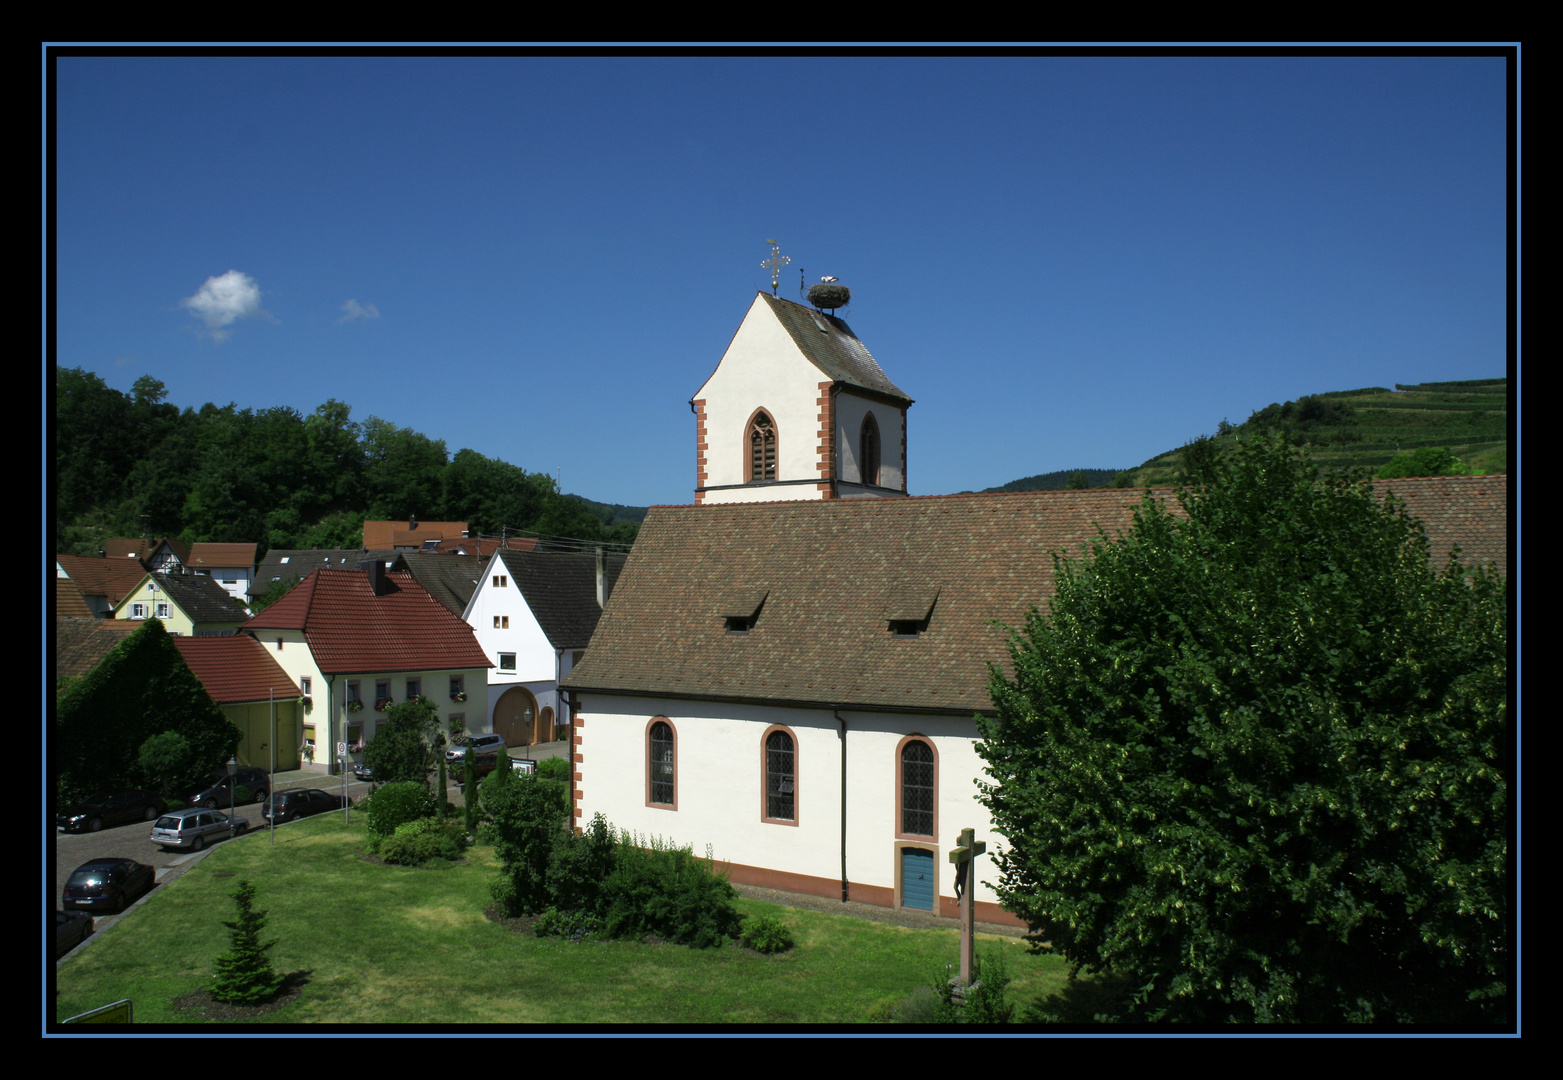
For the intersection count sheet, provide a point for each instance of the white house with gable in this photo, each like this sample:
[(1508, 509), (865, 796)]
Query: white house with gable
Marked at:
[(533, 614)]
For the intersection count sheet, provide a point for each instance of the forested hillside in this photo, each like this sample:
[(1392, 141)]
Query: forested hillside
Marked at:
[(135, 465)]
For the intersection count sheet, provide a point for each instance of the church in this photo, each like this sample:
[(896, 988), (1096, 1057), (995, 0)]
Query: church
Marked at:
[(788, 670)]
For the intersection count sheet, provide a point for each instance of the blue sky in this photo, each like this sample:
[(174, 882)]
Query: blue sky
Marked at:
[(1066, 261)]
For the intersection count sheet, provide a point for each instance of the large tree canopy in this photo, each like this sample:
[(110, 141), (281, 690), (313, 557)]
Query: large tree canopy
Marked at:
[(1254, 763)]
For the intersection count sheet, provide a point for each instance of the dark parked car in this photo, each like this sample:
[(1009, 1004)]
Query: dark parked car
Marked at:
[(71, 928), (291, 805), (214, 793), (109, 808), (107, 885), (362, 771), (194, 827)]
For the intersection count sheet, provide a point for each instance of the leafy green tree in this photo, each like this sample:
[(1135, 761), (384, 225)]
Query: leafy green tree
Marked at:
[(1255, 762), (244, 975), (404, 745), (168, 764), (1077, 481), (528, 816), (1425, 461)]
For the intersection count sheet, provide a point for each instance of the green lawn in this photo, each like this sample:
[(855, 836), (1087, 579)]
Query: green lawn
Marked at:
[(396, 945)]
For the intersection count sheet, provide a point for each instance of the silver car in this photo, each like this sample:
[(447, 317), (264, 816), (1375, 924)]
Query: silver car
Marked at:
[(193, 827), (481, 745)]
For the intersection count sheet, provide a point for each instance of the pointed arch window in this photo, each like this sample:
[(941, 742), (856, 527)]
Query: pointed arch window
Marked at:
[(762, 448), (868, 450)]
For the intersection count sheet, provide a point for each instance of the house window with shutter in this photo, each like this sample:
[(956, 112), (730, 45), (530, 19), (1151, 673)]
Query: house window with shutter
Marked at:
[(761, 465)]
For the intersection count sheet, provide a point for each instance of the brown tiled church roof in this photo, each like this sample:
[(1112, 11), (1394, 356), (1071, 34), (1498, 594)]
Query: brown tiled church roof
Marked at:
[(830, 578)]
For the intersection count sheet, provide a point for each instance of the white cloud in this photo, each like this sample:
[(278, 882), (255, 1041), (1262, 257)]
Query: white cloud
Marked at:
[(354, 310), (221, 300)]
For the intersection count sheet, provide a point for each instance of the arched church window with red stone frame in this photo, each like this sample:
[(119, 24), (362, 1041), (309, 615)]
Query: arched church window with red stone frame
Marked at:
[(760, 465), (868, 450)]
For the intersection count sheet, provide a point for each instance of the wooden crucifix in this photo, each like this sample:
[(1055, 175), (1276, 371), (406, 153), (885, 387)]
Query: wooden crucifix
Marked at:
[(967, 848)]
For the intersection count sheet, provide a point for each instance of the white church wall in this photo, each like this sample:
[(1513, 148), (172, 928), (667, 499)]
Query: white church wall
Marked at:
[(720, 787)]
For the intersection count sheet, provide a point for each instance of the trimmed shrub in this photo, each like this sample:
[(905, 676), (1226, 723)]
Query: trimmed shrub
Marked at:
[(528, 817), (579, 865), (666, 891), (554, 769), (416, 842), (574, 925), (397, 803), (767, 934)]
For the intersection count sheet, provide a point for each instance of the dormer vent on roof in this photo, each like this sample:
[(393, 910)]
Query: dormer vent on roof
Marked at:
[(908, 607), (740, 607)]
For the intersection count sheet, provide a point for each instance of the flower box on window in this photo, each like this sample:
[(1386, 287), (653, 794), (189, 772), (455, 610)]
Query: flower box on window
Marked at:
[(459, 696), (381, 704), (355, 706)]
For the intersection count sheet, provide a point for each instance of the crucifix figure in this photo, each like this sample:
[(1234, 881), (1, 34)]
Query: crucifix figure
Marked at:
[(774, 264), (967, 848)]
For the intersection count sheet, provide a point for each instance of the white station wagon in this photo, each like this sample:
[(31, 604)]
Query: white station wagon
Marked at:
[(193, 827)]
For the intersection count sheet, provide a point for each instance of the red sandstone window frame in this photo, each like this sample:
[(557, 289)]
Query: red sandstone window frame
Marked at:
[(765, 775), (900, 788), (748, 448), (869, 455), (651, 764)]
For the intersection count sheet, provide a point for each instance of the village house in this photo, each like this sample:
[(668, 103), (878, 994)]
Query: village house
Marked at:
[(187, 604), (534, 613), (356, 641), (254, 692)]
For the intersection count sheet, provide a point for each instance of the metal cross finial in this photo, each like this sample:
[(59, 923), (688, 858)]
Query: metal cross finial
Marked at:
[(774, 264)]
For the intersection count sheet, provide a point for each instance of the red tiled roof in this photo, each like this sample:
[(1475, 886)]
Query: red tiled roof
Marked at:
[(127, 547), (206, 554), (379, 535), (111, 579), (235, 668), (486, 546), (349, 629), (69, 603)]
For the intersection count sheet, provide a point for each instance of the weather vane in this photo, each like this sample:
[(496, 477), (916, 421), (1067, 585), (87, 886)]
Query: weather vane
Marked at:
[(774, 264)]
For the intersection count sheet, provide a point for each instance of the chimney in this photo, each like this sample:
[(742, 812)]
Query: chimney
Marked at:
[(602, 581), (378, 584)]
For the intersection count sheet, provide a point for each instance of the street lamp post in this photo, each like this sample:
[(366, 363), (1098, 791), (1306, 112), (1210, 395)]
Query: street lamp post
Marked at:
[(233, 796)]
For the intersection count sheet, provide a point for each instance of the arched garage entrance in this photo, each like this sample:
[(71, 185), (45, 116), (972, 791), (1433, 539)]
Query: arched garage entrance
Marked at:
[(515, 716)]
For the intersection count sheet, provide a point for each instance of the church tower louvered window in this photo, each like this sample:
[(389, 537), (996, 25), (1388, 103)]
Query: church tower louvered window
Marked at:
[(762, 448)]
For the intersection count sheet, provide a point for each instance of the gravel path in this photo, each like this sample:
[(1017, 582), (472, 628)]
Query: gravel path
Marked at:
[(894, 916)]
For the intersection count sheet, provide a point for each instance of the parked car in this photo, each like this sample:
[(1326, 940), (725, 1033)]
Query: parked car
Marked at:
[(214, 792), (193, 827), (107, 885), (362, 771), (108, 808), (291, 805), (71, 928), (478, 744)]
